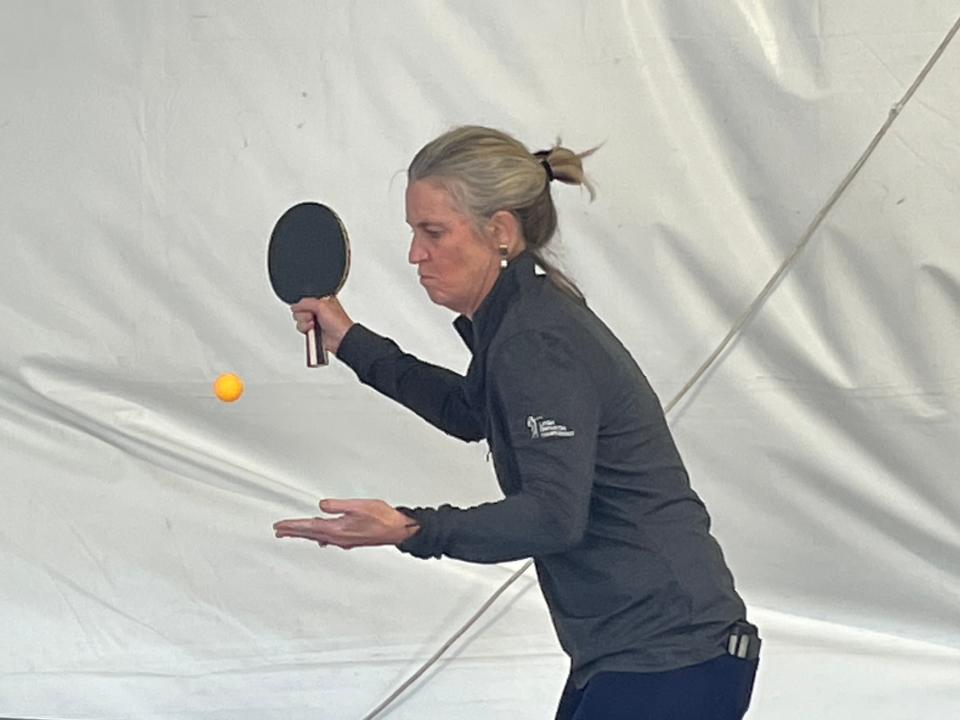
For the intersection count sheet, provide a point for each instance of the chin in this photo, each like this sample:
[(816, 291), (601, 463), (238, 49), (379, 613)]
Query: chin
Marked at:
[(439, 298), (436, 296)]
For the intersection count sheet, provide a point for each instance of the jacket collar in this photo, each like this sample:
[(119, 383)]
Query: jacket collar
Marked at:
[(478, 333)]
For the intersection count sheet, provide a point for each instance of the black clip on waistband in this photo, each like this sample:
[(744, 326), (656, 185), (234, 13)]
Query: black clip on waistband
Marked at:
[(744, 643)]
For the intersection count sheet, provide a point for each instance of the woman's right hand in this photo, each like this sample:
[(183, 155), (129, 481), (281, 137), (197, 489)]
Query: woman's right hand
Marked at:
[(329, 313)]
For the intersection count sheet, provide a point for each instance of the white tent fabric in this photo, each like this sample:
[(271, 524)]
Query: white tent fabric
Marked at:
[(146, 150)]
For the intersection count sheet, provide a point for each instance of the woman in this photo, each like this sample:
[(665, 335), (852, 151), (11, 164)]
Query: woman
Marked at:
[(595, 490)]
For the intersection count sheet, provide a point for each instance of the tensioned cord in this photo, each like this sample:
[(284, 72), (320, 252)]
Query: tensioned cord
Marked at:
[(747, 315), (443, 648), (817, 220)]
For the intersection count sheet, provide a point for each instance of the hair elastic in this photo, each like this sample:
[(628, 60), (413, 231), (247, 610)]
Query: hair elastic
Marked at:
[(541, 155)]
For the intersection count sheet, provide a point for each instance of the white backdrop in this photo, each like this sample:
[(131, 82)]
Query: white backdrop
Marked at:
[(146, 148)]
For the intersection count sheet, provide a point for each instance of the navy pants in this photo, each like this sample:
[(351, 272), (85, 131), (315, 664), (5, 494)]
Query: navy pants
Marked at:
[(718, 689)]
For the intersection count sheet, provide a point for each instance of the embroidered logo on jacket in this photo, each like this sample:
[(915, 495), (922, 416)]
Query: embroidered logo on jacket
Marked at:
[(540, 428)]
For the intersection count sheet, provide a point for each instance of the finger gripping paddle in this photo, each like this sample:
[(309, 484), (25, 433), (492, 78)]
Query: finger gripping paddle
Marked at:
[(308, 257)]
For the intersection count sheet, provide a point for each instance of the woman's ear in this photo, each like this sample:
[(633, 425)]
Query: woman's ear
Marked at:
[(504, 229)]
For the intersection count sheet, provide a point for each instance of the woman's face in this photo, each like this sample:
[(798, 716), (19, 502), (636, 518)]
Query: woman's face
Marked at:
[(457, 264)]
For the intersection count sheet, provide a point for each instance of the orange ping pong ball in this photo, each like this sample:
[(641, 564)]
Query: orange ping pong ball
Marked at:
[(228, 387)]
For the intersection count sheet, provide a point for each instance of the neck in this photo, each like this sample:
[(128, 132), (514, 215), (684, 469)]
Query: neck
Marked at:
[(489, 280)]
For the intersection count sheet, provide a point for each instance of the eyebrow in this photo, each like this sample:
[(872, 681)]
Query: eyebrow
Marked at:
[(426, 223)]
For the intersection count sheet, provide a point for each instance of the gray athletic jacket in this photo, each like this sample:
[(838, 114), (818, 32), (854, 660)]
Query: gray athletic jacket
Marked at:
[(595, 490)]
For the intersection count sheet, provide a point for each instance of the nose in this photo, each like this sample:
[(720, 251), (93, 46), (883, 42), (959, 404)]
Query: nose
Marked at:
[(417, 253)]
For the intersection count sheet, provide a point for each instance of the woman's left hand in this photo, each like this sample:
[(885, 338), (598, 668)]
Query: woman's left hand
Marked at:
[(361, 522)]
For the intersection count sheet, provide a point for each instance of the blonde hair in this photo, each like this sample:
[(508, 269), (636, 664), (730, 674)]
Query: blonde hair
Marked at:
[(487, 170)]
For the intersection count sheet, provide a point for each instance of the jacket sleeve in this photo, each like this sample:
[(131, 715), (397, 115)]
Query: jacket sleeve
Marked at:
[(434, 393), (548, 407)]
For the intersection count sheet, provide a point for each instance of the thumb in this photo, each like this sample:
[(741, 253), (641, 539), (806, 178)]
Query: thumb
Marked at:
[(330, 505), (306, 304)]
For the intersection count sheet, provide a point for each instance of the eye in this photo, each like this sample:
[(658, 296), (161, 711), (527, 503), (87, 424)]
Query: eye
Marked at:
[(432, 232)]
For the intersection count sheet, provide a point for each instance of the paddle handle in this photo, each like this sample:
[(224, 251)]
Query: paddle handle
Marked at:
[(316, 353)]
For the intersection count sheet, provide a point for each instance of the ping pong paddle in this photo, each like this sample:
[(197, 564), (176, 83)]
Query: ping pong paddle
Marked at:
[(308, 256)]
